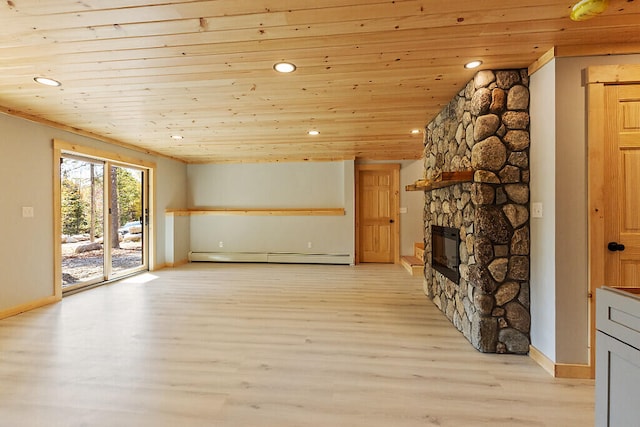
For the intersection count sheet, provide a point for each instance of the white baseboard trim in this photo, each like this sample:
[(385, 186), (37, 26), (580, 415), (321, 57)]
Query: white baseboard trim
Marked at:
[(284, 258)]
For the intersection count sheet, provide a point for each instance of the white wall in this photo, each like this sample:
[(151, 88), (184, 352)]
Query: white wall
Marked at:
[(26, 246), (567, 288), (273, 185), (542, 158), (412, 222)]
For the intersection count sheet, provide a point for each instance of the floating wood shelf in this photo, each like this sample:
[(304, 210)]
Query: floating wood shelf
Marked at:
[(259, 212), (446, 179)]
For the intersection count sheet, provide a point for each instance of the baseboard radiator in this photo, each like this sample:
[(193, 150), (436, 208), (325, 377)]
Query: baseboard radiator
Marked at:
[(266, 257)]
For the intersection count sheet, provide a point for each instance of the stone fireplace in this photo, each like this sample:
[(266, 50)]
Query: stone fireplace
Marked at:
[(485, 128)]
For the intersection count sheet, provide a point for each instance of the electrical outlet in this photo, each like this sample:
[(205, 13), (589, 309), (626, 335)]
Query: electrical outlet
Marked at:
[(27, 212), (309, 245), (536, 210), (221, 244)]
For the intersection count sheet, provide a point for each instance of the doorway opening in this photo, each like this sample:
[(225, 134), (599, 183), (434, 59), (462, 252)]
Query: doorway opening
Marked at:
[(103, 220)]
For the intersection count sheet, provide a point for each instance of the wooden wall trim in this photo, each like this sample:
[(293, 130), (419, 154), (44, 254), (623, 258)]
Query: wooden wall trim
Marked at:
[(542, 61), (610, 74), (259, 212), (29, 306), (560, 370)]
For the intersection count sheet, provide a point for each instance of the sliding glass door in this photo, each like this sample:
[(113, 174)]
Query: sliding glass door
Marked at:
[(104, 220)]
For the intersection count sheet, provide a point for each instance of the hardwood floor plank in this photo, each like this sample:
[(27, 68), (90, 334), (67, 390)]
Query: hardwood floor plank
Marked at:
[(267, 345)]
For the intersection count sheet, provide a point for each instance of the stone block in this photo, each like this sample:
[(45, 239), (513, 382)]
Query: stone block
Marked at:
[(498, 269), (492, 224), (510, 174), (518, 316), (486, 177), (483, 78), (519, 159), (520, 241), (480, 102), (484, 303), (506, 292), (482, 194), (516, 120), (519, 193), (486, 126), (518, 98), (498, 101), (519, 268), (516, 214), (489, 154), (515, 341), (507, 78), (517, 140), (484, 334)]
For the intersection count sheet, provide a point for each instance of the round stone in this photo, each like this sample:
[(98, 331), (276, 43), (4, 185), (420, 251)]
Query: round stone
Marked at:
[(516, 119), (481, 102), (515, 341), (489, 154), (498, 101), (486, 126), (518, 98), (482, 194), (498, 269), (507, 292), (510, 174), (506, 79), (520, 241), (491, 223), (519, 159), (483, 250), (516, 214), (519, 268), (486, 177), (519, 193), (483, 78), (517, 316), (483, 303)]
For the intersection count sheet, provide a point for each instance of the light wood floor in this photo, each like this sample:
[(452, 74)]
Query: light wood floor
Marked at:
[(267, 345)]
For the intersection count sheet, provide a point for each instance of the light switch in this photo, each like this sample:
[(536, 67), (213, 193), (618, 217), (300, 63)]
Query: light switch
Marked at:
[(536, 210), (403, 210), (27, 212)]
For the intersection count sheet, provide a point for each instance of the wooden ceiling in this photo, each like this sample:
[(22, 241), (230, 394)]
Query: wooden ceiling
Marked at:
[(369, 71)]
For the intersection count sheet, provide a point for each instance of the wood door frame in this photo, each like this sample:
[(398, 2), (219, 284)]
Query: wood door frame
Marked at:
[(596, 78), (395, 168), (59, 148)]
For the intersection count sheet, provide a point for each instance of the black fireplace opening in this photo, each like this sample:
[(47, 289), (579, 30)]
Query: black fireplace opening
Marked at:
[(445, 251)]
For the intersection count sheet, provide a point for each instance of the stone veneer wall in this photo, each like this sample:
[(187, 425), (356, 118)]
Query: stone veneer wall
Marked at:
[(484, 128)]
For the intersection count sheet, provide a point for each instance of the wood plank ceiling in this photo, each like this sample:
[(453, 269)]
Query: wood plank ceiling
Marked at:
[(369, 71)]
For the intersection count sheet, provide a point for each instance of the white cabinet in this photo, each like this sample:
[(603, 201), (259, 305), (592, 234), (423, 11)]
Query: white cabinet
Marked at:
[(617, 358)]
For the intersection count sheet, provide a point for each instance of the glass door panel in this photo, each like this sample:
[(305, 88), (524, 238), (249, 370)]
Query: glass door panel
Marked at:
[(127, 220), (82, 215)]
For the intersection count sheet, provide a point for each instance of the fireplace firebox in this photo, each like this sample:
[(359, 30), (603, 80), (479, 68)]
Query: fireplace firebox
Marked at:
[(445, 251)]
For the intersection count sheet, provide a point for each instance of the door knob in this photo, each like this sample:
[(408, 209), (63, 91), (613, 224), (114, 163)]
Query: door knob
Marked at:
[(615, 246), (391, 221)]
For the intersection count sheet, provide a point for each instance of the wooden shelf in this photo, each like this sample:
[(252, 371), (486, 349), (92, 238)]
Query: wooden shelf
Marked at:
[(446, 179), (259, 212)]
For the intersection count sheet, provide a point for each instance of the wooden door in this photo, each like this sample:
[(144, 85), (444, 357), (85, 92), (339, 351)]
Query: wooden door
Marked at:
[(622, 185), (377, 202)]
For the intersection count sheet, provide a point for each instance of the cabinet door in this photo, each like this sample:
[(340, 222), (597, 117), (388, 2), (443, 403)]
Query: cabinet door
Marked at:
[(617, 382)]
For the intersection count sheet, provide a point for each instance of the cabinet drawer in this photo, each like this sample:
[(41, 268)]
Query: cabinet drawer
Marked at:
[(618, 315)]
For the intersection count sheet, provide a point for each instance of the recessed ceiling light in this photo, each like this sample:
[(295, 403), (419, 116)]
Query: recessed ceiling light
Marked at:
[(47, 81), (415, 131), (314, 132), (472, 64), (176, 137), (284, 67)]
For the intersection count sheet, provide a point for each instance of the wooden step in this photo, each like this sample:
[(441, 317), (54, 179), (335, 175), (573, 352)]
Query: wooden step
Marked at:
[(413, 265), (418, 250)]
